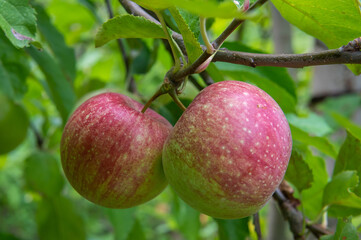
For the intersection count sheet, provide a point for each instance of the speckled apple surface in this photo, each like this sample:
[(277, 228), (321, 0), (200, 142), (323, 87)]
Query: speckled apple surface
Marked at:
[(229, 151), (111, 152)]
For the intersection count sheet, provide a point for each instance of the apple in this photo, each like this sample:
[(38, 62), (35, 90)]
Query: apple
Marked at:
[(229, 151), (14, 123), (111, 152)]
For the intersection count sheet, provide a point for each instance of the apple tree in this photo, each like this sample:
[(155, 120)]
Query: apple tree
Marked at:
[(179, 119)]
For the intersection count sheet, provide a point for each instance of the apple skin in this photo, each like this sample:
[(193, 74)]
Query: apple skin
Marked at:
[(229, 151), (111, 152)]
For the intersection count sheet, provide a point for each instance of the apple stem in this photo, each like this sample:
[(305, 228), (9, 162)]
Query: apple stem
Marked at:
[(155, 96), (175, 98)]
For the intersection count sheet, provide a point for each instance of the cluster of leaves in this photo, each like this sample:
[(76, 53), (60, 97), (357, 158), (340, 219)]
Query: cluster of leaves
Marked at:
[(41, 71)]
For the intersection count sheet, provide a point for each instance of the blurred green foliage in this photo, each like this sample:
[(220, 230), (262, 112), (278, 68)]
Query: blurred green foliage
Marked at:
[(51, 77)]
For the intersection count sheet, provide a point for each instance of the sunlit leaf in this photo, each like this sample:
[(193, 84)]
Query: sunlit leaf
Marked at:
[(349, 158), (18, 21), (128, 26), (298, 172), (321, 143), (312, 124), (344, 230), (335, 22), (340, 190), (312, 197), (193, 47)]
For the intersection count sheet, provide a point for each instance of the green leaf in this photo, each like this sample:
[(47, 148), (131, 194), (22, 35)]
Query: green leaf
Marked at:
[(141, 58), (154, 4), (64, 55), (42, 174), (127, 26), (312, 124), (280, 76), (18, 21), (210, 8), (354, 129), (123, 221), (344, 230), (275, 81), (191, 43), (233, 229), (312, 197), (5, 83), (321, 143), (335, 22), (15, 69), (340, 190), (8, 236), (243, 73), (298, 172), (186, 217), (205, 8), (349, 158), (345, 106), (57, 219), (137, 232), (61, 91)]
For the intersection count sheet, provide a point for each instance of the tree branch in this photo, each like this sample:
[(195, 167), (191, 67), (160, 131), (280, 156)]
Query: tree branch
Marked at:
[(257, 226), (334, 56), (294, 216), (216, 44), (348, 54)]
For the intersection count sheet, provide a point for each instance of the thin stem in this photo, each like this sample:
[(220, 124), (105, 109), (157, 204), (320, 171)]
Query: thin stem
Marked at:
[(216, 44), (209, 46), (177, 54), (155, 96), (175, 98), (38, 137), (136, 10), (257, 225), (206, 78)]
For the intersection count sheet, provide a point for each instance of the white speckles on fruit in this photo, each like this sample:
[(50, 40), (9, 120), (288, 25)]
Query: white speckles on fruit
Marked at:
[(242, 156)]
